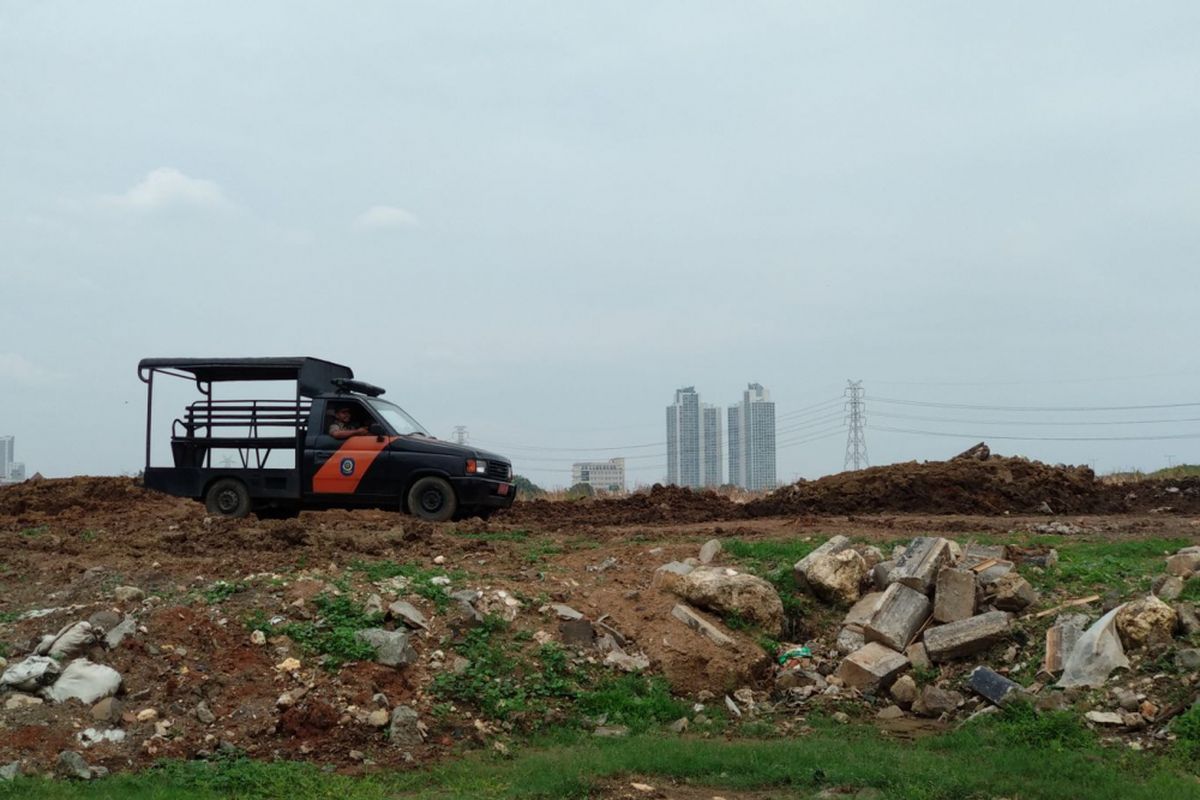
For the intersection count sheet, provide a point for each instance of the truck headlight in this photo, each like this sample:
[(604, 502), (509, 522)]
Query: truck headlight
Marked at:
[(476, 467)]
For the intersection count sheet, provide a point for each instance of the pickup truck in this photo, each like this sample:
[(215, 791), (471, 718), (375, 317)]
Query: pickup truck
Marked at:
[(374, 456)]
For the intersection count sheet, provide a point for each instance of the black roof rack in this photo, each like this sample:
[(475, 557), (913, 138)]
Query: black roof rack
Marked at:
[(362, 387), (313, 376)]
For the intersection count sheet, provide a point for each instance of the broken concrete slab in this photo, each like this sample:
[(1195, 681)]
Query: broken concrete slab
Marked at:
[(725, 591), (1013, 593), (850, 639), (966, 636), (954, 598), (699, 624), (986, 574), (1189, 622), (391, 647), (576, 633), (1167, 587), (126, 627), (933, 701), (873, 666), (901, 613), (710, 550), (862, 611), (992, 686), (1060, 641), (668, 575), (835, 545), (918, 655), (881, 574), (407, 613), (918, 566)]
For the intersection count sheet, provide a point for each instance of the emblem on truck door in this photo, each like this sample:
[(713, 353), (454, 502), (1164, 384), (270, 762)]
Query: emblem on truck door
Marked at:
[(347, 467)]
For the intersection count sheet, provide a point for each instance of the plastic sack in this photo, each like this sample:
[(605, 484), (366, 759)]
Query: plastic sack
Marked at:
[(85, 681), (1097, 653)]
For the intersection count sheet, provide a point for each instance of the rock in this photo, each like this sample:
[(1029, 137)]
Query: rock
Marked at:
[(835, 545), (1167, 587), (668, 575), (10, 771), (1189, 623), (1045, 508), (128, 594), (904, 690), (564, 612), (127, 627), (978, 553), (626, 662), (90, 736), (31, 674), (881, 575), (798, 678), (1127, 699), (1013, 593), (967, 636), (872, 555), (85, 681), (147, 715), (918, 566), (204, 714), (954, 598), (992, 686), (373, 606), (1145, 622), (17, 700), (918, 655), (710, 550), (1183, 564), (439, 560), (576, 633), (750, 597), (405, 727), (1148, 710), (836, 577), (901, 613), (850, 639), (379, 718), (1104, 717), (611, 731), (499, 603), (934, 701), (891, 712), (679, 726), (289, 664), (873, 666), (987, 577), (407, 613), (71, 765), (258, 638), (391, 647), (108, 710), (699, 624), (1189, 658)]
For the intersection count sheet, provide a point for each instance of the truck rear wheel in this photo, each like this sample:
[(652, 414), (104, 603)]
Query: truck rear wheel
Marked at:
[(432, 498), (228, 497)]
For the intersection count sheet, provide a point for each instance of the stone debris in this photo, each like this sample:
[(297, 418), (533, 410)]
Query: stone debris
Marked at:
[(405, 728), (835, 545), (710, 550), (992, 686), (966, 637), (725, 591), (934, 701), (72, 766), (954, 597), (392, 648), (668, 575), (1011, 592), (837, 577), (917, 567), (699, 624), (128, 594), (873, 666), (117, 634), (1060, 641), (408, 614), (901, 613), (1145, 622)]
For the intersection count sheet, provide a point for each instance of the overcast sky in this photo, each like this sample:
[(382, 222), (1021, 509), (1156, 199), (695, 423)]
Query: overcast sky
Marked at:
[(538, 220)]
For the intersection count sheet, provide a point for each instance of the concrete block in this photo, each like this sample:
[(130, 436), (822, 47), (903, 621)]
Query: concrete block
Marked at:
[(1013, 593), (954, 598), (702, 626), (834, 545), (901, 613), (872, 667), (918, 566), (992, 686), (967, 636), (864, 609)]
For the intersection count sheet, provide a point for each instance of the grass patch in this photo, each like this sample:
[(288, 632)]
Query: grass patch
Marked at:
[(331, 634), (495, 536), (220, 591), (1124, 566), (774, 560), (34, 532), (538, 552), (982, 760), (1191, 591)]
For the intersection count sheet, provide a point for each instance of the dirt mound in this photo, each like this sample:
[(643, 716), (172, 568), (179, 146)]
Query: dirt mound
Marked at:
[(74, 496), (662, 504), (994, 485)]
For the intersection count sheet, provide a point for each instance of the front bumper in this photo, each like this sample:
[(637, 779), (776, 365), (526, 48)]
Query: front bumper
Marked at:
[(484, 493)]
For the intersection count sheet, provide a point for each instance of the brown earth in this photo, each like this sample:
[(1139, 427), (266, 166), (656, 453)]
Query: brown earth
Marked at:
[(68, 543)]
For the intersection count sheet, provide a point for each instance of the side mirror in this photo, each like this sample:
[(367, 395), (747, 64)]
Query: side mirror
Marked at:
[(375, 429)]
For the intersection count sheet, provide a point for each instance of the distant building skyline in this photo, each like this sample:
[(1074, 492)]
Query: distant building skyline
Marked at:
[(752, 440), (606, 476), (11, 470)]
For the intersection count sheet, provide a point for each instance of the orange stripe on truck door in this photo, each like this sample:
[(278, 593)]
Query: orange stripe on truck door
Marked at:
[(346, 467)]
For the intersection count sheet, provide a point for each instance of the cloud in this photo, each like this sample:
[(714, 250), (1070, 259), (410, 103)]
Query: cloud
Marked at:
[(21, 371), (167, 187), (383, 217)]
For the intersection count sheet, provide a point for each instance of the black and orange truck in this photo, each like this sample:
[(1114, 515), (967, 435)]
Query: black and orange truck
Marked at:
[(276, 457)]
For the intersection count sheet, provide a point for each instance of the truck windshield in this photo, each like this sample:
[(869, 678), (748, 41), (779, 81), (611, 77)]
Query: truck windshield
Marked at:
[(397, 418)]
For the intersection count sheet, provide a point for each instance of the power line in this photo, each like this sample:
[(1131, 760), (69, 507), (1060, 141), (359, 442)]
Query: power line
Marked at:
[(1035, 422), (894, 401), (986, 436)]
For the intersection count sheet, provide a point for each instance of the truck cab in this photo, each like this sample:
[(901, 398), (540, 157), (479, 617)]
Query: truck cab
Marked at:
[(345, 447)]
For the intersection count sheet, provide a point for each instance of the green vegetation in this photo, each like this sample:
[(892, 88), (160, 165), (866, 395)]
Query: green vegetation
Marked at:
[(526, 488), (1015, 755), (774, 562), (1186, 749), (537, 552), (420, 579), (34, 532), (1191, 591), (219, 591), (580, 491), (331, 635), (1125, 566), (495, 536)]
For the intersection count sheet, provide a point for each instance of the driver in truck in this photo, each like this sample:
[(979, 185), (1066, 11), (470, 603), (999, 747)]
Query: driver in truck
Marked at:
[(342, 428)]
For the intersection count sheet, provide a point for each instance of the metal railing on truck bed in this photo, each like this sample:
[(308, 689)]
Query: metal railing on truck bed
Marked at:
[(197, 433)]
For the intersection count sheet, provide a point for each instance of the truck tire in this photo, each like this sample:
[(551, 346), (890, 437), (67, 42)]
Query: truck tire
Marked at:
[(432, 499), (228, 497)]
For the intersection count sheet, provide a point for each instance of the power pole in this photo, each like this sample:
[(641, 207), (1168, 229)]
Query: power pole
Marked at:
[(460, 434), (856, 440)]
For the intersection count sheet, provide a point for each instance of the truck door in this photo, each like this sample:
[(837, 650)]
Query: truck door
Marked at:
[(355, 468)]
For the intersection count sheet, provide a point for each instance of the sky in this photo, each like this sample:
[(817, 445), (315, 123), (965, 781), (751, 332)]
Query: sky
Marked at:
[(540, 219)]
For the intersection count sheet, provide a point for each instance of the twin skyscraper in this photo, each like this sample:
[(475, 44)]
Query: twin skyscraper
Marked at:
[(694, 441)]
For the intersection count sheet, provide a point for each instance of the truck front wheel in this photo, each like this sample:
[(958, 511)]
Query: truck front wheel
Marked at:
[(432, 498), (228, 497)]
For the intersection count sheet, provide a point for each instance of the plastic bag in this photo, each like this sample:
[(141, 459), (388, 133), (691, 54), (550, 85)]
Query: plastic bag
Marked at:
[(1097, 653)]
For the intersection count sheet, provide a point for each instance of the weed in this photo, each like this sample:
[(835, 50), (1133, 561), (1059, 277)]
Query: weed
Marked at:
[(1191, 591), (332, 634), (1021, 724), (495, 536), (9, 616), (539, 551), (420, 580), (636, 701), (89, 535), (220, 591), (925, 675), (1120, 565), (1186, 747), (34, 532)]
